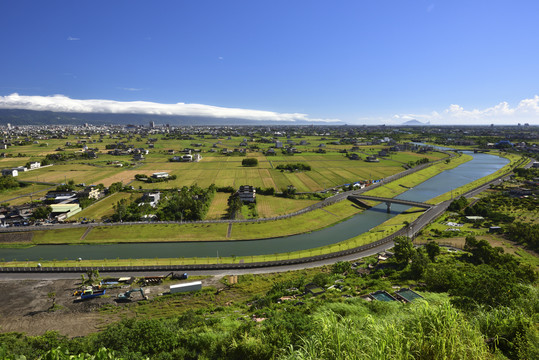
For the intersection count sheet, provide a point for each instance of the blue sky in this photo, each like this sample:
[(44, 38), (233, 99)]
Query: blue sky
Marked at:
[(356, 61)]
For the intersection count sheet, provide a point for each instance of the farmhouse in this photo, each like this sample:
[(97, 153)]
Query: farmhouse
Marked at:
[(247, 193), (90, 192), (12, 172), (151, 198)]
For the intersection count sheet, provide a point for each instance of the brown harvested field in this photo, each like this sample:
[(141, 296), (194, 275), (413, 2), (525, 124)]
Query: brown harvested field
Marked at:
[(218, 206)]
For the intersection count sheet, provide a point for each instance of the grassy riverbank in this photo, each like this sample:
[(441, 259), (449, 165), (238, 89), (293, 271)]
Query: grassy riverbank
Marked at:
[(311, 221), (514, 161), (370, 236), (403, 184)]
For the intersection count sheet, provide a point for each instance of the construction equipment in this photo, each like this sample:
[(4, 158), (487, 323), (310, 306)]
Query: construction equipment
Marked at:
[(175, 276), (80, 291), (126, 296), (155, 280), (91, 293)]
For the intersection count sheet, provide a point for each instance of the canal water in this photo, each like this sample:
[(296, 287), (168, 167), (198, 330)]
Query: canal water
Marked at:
[(481, 165)]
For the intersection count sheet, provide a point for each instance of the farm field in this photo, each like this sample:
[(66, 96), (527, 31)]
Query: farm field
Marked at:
[(103, 207), (24, 192), (270, 206), (80, 173), (218, 206), (328, 170)]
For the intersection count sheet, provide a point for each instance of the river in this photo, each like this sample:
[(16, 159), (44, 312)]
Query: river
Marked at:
[(481, 165)]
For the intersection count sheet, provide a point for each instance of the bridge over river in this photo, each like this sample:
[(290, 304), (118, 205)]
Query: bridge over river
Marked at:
[(390, 201)]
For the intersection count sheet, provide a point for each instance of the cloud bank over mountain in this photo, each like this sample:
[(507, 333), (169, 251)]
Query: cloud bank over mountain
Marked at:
[(61, 103), (526, 111)]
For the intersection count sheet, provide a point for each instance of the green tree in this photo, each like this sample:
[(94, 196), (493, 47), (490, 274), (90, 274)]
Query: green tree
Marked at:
[(404, 249), (340, 267), (419, 264), (42, 212), (433, 250), (458, 204), (115, 187), (250, 162), (8, 182), (70, 186)]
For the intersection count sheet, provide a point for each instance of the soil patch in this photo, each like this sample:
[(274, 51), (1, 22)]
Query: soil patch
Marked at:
[(26, 306)]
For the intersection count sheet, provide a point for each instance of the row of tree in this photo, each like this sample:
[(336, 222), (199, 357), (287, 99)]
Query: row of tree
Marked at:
[(294, 167)]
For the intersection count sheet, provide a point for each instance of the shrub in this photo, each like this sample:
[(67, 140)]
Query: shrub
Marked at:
[(249, 162)]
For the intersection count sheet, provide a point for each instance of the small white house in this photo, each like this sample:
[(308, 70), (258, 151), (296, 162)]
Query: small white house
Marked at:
[(160, 175), (12, 172), (35, 165)]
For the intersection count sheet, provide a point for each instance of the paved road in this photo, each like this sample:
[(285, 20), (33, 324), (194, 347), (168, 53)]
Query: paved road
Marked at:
[(273, 269)]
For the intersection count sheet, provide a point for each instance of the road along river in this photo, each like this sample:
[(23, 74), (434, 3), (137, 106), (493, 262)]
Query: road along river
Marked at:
[(480, 166)]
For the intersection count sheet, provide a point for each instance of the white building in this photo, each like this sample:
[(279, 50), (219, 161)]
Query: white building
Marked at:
[(12, 172), (160, 175)]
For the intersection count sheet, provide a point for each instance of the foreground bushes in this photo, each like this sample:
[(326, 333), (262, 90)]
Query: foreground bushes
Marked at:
[(419, 331)]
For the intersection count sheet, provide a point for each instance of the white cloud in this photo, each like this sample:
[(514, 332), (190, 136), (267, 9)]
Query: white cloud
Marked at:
[(61, 103), (129, 89), (526, 111), (70, 38)]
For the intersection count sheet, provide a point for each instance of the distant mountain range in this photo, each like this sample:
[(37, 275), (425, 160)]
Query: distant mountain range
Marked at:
[(415, 122), (30, 117)]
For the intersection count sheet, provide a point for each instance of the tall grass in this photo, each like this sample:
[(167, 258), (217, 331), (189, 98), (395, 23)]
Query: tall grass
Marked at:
[(415, 331)]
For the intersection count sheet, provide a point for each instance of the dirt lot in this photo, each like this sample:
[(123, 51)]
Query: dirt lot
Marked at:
[(26, 306)]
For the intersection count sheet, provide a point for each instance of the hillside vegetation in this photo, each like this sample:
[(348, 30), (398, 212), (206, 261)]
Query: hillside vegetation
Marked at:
[(478, 304)]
